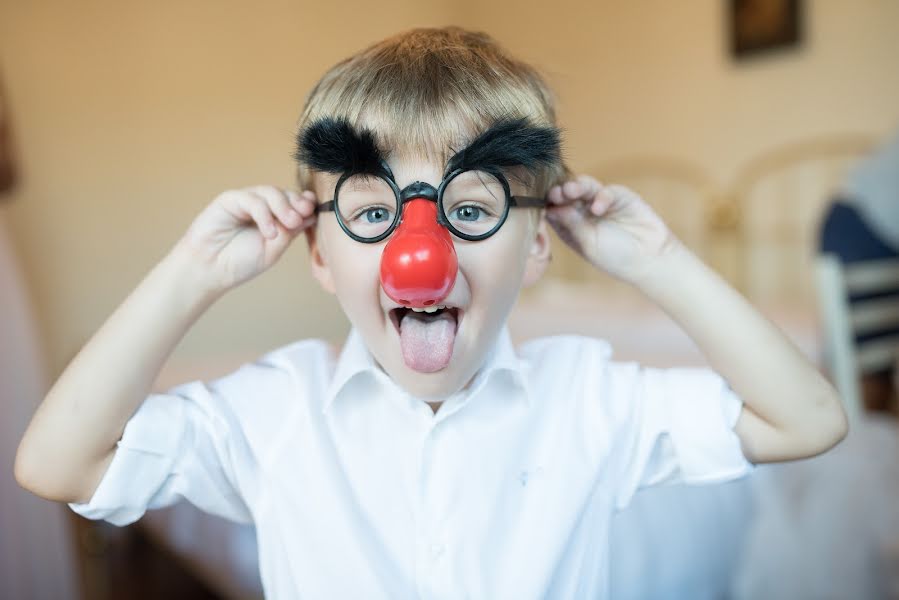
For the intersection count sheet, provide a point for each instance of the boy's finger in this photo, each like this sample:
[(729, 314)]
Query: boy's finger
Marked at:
[(259, 211), (305, 224), (566, 193), (567, 215), (555, 195), (566, 222), (304, 202), (279, 205), (591, 186), (308, 221), (572, 190), (602, 202)]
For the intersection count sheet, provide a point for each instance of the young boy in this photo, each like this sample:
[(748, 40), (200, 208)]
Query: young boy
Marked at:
[(430, 458)]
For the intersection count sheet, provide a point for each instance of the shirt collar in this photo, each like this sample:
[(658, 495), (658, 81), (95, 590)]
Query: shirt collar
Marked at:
[(355, 360)]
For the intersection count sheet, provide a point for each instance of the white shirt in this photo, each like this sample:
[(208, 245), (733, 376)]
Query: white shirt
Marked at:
[(358, 490)]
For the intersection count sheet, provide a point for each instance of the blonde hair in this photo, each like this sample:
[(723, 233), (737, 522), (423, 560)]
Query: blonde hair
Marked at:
[(427, 91)]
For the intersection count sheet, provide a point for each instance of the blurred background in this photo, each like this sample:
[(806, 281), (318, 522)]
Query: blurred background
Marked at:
[(743, 123)]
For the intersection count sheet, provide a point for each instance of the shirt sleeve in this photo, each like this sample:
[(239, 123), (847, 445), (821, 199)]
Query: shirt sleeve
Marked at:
[(178, 444), (679, 429)]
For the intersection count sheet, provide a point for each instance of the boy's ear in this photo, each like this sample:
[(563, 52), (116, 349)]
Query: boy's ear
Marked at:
[(539, 255), (320, 268)]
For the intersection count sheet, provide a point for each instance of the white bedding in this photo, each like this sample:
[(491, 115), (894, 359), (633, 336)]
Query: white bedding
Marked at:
[(826, 527)]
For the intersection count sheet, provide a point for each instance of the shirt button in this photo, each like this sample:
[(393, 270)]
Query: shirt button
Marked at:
[(437, 550)]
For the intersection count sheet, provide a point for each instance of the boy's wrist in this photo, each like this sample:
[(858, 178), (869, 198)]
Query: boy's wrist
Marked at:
[(664, 268), (679, 281), (190, 278)]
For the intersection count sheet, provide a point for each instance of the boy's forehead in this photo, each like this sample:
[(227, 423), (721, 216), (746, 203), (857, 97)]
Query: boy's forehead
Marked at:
[(407, 160), (408, 169), (426, 156)]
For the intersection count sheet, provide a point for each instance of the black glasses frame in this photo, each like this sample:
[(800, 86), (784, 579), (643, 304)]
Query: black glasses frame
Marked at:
[(420, 189)]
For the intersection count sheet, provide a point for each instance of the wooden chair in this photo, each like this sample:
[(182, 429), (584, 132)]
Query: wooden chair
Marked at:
[(845, 359), (780, 196)]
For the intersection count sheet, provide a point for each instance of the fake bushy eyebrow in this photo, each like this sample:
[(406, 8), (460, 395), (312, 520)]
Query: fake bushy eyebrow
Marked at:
[(334, 146), (509, 142)]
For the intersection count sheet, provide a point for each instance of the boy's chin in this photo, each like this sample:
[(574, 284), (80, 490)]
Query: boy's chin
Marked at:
[(433, 386)]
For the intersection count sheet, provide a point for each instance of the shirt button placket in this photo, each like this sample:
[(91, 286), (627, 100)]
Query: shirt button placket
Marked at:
[(431, 549), (437, 551)]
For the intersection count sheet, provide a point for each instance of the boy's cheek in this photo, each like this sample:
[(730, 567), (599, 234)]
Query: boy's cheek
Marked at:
[(356, 266), (342, 266), (494, 267)]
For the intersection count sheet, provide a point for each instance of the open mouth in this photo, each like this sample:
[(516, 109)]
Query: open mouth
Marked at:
[(398, 314), (427, 336)]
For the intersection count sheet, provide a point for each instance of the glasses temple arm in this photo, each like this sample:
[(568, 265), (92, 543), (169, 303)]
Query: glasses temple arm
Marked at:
[(527, 201), (324, 206)]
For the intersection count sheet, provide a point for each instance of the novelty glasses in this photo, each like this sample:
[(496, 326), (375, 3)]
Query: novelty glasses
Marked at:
[(471, 203)]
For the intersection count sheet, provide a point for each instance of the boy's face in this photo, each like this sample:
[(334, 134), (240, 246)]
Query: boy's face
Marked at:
[(490, 274)]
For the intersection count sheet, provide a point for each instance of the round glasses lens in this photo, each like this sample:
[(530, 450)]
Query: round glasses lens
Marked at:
[(366, 205), (474, 202)]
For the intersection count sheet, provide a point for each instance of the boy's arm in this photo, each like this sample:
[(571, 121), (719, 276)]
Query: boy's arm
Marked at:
[(790, 410), (73, 435)]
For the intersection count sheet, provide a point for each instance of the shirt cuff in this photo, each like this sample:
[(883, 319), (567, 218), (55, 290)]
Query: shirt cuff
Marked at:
[(143, 460), (702, 433)]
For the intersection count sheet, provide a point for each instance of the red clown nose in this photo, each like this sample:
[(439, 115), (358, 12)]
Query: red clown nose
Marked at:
[(419, 265)]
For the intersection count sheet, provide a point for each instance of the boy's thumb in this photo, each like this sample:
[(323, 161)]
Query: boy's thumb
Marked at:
[(566, 216), (566, 220)]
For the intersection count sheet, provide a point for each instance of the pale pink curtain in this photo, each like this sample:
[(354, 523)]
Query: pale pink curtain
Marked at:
[(36, 550)]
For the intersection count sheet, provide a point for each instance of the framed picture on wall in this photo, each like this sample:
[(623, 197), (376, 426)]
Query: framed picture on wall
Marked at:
[(7, 173), (761, 26)]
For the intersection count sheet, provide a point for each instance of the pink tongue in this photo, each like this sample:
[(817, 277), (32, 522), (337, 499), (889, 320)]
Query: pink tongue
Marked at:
[(427, 342)]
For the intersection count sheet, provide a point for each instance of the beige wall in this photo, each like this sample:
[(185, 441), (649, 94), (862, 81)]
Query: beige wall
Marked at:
[(128, 120), (655, 77)]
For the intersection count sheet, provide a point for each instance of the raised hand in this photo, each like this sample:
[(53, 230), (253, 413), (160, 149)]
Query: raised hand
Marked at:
[(241, 233), (608, 225)]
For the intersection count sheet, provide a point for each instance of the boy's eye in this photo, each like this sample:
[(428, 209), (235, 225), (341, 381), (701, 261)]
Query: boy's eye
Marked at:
[(377, 215), (468, 213)]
